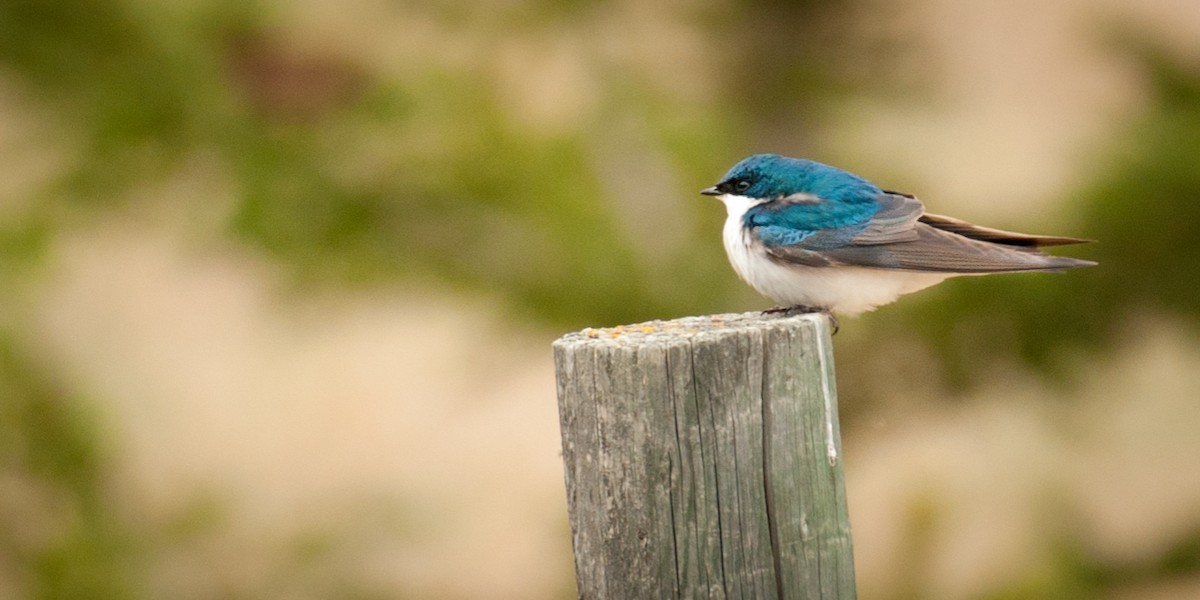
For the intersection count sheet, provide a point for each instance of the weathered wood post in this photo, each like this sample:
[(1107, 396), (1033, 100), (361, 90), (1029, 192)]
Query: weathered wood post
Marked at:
[(703, 459)]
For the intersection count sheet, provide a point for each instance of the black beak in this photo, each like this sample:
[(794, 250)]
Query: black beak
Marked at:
[(710, 191)]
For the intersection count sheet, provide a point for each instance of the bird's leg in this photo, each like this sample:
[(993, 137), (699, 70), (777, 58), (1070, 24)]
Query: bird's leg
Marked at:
[(800, 309), (832, 319)]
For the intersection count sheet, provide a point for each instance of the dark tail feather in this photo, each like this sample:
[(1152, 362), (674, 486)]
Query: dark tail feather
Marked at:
[(998, 236)]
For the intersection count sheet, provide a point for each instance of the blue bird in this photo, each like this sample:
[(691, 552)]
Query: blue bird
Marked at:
[(817, 238)]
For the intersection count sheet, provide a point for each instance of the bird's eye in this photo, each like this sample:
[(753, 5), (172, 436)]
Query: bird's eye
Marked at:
[(742, 185)]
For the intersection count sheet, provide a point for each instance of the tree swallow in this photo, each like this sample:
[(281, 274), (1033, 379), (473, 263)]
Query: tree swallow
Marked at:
[(815, 237)]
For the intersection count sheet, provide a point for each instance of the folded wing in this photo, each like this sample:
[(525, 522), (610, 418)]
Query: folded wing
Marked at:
[(902, 236)]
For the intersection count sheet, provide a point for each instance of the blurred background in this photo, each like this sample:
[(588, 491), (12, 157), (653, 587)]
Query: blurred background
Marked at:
[(279, 281)]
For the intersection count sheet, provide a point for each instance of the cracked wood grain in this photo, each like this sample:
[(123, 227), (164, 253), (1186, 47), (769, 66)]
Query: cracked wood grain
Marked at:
[(702, 459)]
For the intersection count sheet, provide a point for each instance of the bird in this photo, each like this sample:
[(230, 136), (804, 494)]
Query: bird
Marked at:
[(816, 238)]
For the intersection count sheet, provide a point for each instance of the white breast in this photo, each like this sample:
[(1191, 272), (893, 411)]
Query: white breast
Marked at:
[(847, 290)]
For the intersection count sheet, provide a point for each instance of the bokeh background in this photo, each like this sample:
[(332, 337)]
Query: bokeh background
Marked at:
[(278, 282)]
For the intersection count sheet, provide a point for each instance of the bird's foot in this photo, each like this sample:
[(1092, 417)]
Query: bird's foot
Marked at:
[(800, 309)]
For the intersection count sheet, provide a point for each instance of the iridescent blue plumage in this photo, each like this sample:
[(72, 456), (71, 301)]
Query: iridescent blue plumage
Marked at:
[(811, 197), (775, 176)]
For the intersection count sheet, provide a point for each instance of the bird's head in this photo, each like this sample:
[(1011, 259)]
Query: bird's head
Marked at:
[(767, 177), (761, 176)]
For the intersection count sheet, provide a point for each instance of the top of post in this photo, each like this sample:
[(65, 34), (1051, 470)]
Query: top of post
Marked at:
[(686, 329)]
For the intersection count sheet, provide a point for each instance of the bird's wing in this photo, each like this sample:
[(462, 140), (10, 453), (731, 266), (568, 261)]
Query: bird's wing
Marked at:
[(798, 228), (895, 221), (898, 236), (813, 223), (945, 252)]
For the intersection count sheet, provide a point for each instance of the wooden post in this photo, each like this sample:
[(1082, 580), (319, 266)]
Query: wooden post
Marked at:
[(703, 459)]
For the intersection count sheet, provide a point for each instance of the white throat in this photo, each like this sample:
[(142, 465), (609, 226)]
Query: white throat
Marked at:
[(736, 206), (737, 242)]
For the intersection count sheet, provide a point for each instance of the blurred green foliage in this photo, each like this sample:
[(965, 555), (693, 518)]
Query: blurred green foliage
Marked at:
[(481, 201), (348, 174), (1145, 204), (60, 534), (1141, 209)]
